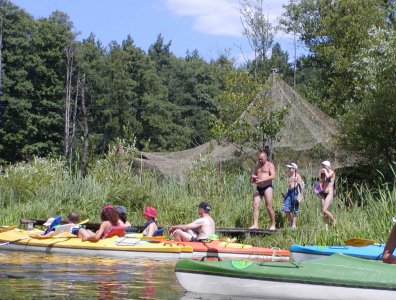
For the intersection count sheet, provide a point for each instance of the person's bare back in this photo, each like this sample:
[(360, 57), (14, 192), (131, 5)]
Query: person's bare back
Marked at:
[(198, 230), (204, 226)]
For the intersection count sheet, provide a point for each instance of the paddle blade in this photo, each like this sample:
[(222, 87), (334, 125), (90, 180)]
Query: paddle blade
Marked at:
[(83, 222), (357, 242)]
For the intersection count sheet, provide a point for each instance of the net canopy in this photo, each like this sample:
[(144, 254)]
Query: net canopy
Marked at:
[(305, 128)]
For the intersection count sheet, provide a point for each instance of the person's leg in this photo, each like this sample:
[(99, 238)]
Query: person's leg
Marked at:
[(326, 201), (84, 234), (294, 212), (181, 236), (268, 204), (288, 218), (294, 220), (387, 256), (256, 209)]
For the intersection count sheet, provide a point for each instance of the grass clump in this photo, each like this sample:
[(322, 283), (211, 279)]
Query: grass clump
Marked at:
[(43, 188)]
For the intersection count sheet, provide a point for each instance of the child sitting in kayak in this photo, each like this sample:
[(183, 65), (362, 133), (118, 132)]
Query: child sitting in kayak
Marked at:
[(122, 212), (111, 225), (54, 227), (150, 226)]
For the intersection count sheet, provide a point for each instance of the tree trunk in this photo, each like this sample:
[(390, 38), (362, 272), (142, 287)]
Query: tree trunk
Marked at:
[(69, 74), (84, 156), (74, 120), (295, 61)]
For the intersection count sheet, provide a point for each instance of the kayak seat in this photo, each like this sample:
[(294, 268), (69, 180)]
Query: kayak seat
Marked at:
[(159, 231), (115, 230)]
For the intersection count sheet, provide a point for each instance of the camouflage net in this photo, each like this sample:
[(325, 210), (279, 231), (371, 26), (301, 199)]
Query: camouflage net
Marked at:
[(305, 128)]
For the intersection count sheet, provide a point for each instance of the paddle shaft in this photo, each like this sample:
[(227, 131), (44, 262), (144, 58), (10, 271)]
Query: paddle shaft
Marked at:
[(83, 222), (10, 242)]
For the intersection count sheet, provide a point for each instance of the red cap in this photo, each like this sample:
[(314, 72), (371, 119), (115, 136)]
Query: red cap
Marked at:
[(150, 211)]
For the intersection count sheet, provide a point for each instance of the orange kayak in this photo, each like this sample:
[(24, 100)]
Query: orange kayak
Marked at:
[(227, 249)]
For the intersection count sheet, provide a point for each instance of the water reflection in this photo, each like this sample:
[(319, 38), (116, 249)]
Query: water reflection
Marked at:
[(39, 276)]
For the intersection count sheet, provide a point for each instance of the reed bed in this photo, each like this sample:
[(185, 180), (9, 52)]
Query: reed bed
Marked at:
[(46, 187)]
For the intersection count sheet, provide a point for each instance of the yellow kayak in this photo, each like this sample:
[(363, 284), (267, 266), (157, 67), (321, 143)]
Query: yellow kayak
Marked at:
[(22, 240)]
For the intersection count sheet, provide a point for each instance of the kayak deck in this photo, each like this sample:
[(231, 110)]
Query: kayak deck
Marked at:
[(22, 240), (331, 277), (231, 249)]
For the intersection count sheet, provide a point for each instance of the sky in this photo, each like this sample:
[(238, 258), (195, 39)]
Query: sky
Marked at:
[(213, 27)]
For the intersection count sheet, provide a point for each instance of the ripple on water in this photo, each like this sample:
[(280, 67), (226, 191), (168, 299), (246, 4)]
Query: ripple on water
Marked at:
[(39, 276)]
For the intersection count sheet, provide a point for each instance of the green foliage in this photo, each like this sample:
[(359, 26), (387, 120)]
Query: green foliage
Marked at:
[(247, 116), (369, 126), (334, 32)]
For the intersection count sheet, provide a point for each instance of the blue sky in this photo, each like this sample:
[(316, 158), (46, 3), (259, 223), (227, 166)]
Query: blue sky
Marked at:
[(210, 26)]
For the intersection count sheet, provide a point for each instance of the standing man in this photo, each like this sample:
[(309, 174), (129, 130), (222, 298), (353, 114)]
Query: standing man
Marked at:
[(197, 231), (262, 176)]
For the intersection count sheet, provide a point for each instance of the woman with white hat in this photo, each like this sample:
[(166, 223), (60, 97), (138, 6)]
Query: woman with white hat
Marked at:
[(327, 181)]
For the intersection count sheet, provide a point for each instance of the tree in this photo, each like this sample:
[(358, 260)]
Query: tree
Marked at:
[(246, 117), (334, 32), (257, 29), (291, 23), (16, 118), (369, 126)]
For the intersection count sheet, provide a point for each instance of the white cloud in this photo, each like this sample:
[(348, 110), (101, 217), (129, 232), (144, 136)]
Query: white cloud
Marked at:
[(219, 17)]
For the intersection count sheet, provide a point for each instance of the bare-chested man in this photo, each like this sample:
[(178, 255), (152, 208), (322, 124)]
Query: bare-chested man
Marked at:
[(262, 176), (199, 230)]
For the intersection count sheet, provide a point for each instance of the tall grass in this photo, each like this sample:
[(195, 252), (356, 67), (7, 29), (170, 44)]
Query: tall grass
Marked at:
[(46, 187)]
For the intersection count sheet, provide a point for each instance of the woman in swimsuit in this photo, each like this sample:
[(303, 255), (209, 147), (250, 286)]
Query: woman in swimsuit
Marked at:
[(327, 181), (109, 217)]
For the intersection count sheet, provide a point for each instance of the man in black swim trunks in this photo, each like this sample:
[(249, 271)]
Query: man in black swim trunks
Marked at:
[(198, 230), (262, 177)]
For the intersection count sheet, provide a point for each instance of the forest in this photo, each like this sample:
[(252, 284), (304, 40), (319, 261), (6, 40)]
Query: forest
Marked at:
[(64, 97)]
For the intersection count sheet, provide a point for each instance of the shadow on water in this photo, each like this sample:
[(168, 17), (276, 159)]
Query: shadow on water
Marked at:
[(43, 276)]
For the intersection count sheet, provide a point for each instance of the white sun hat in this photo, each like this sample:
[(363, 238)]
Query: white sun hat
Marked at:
[(292, 165)]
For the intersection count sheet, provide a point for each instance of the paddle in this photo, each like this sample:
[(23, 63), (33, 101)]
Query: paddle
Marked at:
[(6, 228), (83, 222), (358, 242), (10, 242)]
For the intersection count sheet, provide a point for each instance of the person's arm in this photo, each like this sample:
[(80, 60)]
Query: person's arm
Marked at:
[(271, 173), (387, 255), (194, 225)]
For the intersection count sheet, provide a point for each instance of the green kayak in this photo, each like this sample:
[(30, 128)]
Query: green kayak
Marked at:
[(331, 277)]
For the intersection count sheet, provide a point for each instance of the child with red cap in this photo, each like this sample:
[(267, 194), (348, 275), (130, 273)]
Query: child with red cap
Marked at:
[(150, 226)]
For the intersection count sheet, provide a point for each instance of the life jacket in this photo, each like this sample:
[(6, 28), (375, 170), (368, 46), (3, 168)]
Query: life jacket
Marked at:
[(158, 232), (114, 230)]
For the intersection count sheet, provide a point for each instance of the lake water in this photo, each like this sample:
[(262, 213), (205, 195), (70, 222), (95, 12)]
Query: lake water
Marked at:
[(26, 275), (53, 276)]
